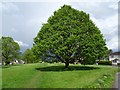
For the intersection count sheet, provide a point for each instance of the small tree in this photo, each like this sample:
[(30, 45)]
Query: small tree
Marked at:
[(109, 53), (29, 57), (69, 35), (9, 48)]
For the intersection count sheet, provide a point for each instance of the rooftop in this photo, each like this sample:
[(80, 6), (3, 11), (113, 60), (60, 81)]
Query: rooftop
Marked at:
[(115, 53)]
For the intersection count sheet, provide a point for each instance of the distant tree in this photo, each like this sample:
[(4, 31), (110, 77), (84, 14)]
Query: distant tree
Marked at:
[(69, 35), (20, 55), (9, 49), (29, 57), (108, 53)]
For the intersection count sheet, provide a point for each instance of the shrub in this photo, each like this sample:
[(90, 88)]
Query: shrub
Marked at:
[(104, 62), (118, 64)]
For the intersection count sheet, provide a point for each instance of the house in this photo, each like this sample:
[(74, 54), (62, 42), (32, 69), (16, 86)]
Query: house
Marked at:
[(115, 58), (14, 62), (17, 62), (21, 62)]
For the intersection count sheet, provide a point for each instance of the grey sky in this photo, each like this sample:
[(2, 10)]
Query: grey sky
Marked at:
[(23, 20)]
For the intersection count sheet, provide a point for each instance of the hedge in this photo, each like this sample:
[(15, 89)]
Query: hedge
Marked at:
[(118, 64), (104, 62)]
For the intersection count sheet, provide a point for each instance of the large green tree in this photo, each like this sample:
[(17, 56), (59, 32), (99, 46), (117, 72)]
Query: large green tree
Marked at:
[(69, 35), (9, 49)]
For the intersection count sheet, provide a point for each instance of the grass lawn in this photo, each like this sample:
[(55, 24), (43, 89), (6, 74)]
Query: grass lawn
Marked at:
[(0, 78), (43, 75)]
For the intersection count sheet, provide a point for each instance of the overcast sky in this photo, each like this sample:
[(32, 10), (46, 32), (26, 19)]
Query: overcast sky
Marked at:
[(23, 20)]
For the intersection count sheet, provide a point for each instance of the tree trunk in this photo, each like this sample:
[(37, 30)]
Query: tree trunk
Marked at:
[(66, 64)]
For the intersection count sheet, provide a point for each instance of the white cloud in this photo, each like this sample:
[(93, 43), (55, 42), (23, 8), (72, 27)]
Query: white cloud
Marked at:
[(37, 21), (0, 5), (30, 17), (87, 7), (113, 43), (0, 20), (8, 7), (114, 6), (107, 25), (59, 0), (109, 28), (21, 43)]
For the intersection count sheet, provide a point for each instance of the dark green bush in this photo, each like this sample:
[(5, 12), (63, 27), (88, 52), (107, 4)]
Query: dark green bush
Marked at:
[(118, 64), (104, 62)]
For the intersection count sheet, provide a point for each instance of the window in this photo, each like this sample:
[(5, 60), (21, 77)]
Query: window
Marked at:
[(115, 61)]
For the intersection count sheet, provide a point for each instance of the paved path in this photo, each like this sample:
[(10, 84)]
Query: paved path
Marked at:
[(117, 81)]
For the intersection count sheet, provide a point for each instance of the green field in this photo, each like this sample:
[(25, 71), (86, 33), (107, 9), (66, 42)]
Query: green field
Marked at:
[(0, 78), (44, 75)]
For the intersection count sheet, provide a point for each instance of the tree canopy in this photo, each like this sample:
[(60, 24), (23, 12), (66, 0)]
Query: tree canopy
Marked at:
[(69, 35), (9, 49)]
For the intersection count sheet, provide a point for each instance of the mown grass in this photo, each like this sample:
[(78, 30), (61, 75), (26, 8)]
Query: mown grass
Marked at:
[(0, 78), (46, 75)]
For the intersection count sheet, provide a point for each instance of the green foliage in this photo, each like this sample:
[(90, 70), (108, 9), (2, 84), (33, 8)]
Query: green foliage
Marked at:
[(118, 68), (107, 54), (29, 57), (105, 81), (9, 49), (102, 62), (69, 35), (118, 64), (20, 55)]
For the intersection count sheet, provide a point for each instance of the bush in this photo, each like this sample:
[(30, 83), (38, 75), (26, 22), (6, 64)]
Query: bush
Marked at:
[(104, 62), (118, 64)]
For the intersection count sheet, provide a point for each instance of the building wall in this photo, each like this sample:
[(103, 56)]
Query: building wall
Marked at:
[(112, 57)]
